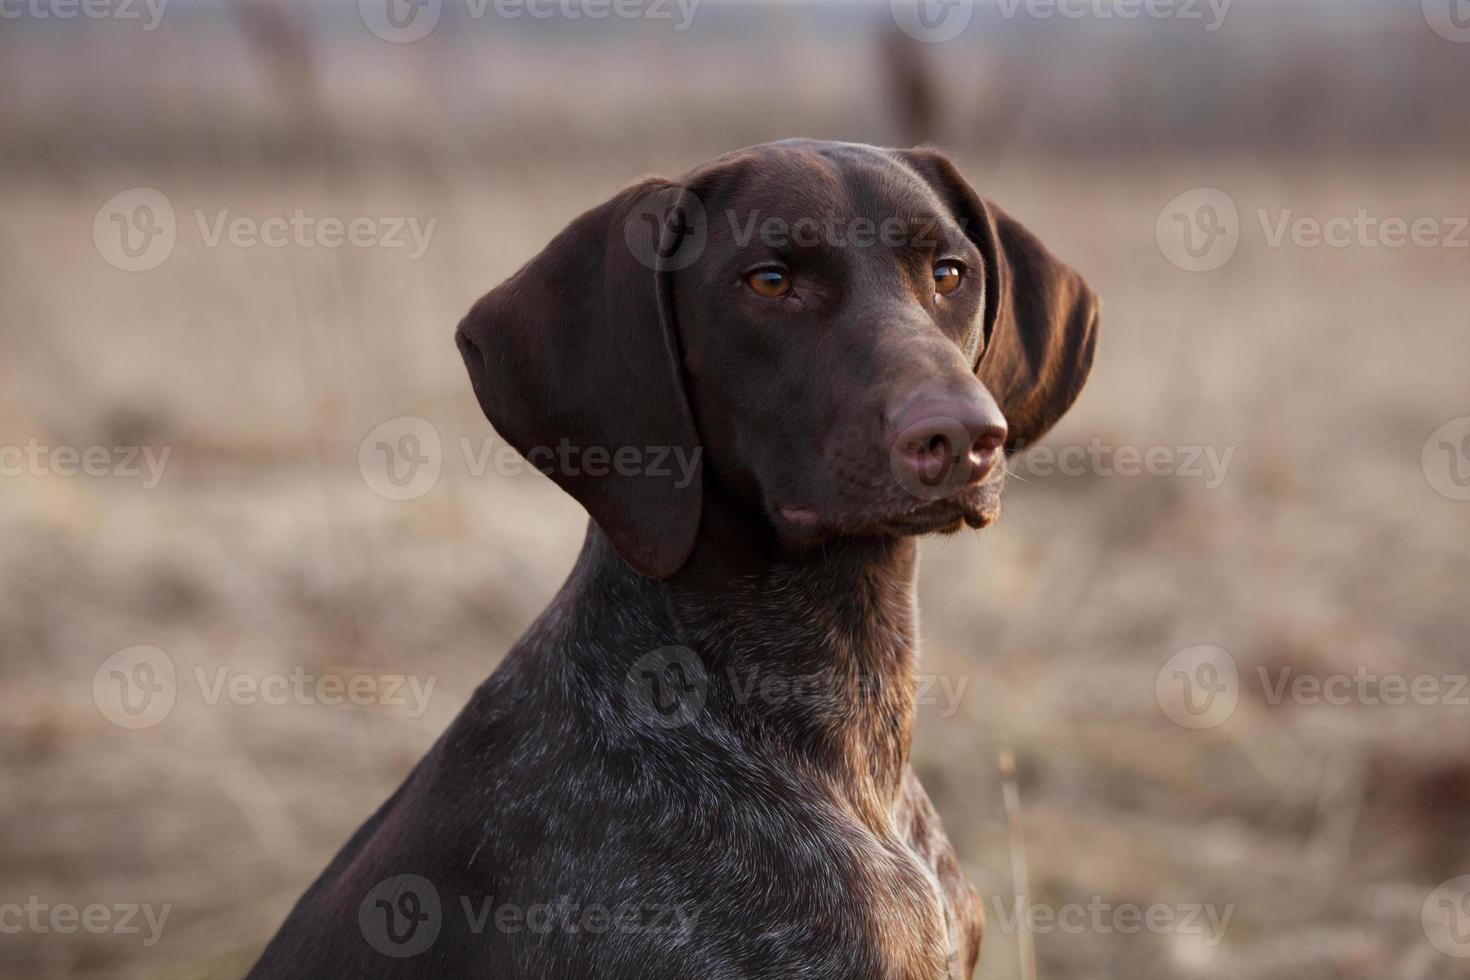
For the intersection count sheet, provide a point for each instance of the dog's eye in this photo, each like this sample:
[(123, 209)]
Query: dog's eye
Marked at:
[(770, 283), (947, 276)]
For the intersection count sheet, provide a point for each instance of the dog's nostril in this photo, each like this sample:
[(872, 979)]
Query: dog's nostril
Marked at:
[(988, 441), (938, 446)]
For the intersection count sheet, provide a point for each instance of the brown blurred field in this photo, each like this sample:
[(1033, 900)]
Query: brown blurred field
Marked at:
[(263, 549)]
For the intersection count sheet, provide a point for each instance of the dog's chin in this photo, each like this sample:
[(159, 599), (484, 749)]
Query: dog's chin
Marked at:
[(975, 507)]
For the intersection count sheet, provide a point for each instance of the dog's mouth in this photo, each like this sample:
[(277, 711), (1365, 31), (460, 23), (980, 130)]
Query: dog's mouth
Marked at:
[(976, 506)]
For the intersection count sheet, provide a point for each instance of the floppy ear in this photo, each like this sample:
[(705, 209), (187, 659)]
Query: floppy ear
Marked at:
[(575, 361), (1040, 320)]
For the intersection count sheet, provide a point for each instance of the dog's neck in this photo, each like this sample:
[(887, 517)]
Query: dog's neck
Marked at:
[(809, 659)]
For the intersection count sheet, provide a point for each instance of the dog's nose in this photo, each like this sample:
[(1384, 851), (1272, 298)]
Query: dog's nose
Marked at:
[(948, 443)]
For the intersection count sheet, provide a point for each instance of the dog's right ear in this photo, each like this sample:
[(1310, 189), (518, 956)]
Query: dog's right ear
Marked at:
[(1041, 320), (575, 360)]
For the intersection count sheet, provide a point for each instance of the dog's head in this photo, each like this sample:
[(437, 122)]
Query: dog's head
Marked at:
[(845, 339)]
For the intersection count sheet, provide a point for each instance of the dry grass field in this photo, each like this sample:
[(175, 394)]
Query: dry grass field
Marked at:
[(1297, 838)]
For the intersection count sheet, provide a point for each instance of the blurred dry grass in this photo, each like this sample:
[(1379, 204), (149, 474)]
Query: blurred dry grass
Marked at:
[(1324, 549)]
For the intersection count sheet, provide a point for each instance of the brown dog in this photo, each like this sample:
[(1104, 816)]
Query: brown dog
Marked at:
[(762, 381)]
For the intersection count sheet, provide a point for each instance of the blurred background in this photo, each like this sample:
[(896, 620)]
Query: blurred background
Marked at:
[(236, 237)]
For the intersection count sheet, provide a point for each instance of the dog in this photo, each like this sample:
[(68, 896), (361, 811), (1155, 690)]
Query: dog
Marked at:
[(695, 762)]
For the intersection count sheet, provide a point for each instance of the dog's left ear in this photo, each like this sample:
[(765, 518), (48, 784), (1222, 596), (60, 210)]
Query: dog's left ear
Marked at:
[(1040, 319)]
